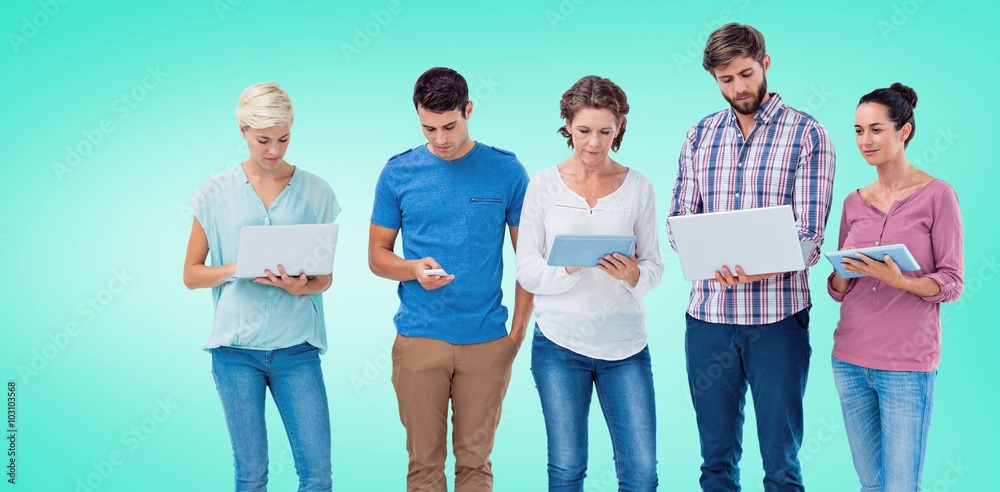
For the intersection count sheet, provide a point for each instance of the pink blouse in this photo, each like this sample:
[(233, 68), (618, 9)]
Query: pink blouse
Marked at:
[(886, 328)]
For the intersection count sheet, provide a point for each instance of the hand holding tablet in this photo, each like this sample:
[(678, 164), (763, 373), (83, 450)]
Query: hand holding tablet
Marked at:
[(897, 253), (587, 250)]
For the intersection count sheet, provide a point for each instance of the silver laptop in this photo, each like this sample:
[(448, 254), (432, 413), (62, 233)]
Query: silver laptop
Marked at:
[(759, 240), (302, 248)]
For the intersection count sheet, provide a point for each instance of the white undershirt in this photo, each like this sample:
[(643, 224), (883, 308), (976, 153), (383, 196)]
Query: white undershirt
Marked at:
[(590, 313)]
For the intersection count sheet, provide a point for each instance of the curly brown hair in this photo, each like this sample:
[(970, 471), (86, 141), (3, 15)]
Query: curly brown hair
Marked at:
[(597, 93)]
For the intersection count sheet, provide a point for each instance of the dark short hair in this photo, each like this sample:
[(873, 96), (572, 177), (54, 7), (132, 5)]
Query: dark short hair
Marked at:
[(440, 90), (730, 42), (597, 93), (899, 101)]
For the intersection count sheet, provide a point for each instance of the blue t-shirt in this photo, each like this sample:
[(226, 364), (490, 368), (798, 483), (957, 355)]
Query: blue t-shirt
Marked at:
[(455, 212), (247, 314)]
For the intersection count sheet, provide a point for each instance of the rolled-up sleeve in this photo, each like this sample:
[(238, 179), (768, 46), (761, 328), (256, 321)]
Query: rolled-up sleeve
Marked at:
[(845, 228), (948, 245), (814, 189)]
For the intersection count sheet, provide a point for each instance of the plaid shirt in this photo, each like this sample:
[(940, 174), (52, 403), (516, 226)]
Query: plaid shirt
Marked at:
[(788, 158)]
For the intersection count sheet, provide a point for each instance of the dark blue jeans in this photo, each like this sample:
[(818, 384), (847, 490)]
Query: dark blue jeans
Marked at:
[(774, 360)]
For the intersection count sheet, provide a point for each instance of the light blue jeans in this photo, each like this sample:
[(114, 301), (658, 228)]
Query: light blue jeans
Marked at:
[(293, 374), (886, 415), (566, 381)]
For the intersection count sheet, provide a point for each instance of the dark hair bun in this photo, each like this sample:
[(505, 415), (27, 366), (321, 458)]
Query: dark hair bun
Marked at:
[(908, 93)]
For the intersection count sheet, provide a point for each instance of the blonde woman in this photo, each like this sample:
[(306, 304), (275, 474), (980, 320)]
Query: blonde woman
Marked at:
[(268, 333)]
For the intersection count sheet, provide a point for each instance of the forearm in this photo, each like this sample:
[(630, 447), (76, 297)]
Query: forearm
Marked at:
[(523, 307), (318, 285), (200, 276), (812, 193), (839, 284), (386, 264), (921, 286)]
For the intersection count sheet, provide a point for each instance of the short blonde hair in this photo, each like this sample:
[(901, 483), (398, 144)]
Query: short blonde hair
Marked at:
[(264, 105)]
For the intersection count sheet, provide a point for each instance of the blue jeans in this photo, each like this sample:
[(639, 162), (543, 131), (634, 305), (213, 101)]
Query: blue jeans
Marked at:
[(886, 415), (293, 374), (773, 359), (565, 382)]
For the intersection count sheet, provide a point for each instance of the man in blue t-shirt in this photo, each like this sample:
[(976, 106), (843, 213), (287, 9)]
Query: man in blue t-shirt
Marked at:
[(451, 199)]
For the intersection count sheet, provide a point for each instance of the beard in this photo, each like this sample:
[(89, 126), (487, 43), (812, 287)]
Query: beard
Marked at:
[(749, 107)]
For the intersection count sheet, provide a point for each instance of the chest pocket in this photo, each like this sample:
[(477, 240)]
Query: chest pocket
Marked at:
[(483, 216)]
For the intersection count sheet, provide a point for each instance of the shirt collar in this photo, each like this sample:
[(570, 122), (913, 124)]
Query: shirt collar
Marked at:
[(767, 112), (293, 181)]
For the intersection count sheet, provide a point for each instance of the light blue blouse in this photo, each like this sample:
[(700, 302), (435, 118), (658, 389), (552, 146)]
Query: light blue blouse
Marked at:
[(250, 315)]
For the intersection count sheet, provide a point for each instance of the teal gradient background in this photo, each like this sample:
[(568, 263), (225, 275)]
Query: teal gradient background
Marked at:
[(113, 391)]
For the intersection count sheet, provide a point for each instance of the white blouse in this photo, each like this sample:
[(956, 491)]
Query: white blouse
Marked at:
[(590, 312)]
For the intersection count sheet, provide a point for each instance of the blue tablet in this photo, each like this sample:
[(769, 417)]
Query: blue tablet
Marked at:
[(584, 250), (897, 252)]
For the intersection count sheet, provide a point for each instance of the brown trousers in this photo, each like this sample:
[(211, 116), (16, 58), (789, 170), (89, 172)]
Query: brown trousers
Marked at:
[(426, 374)]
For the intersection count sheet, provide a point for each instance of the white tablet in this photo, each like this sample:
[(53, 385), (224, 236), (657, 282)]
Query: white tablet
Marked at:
[(301, 248), (898, 252), (585, 250), (759, 240)]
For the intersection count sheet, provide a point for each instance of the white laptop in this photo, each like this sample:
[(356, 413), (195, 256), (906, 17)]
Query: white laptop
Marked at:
[(759, 240), (301, 248)]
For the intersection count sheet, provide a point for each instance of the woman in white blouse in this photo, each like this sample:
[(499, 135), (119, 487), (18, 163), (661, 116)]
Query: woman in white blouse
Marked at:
[(590, 329)]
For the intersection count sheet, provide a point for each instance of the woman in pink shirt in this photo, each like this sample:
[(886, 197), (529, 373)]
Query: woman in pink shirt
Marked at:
[(888, 341)]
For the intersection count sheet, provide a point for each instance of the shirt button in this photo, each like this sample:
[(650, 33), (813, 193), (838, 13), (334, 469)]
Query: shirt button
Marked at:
[(873, 289), (876, 243), (879, 229), (737, 194), (953, 284)]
